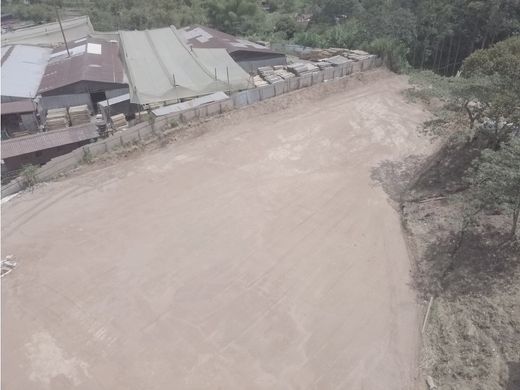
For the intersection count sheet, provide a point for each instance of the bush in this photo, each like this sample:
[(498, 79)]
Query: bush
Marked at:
[(392, 52), (28, 175), (309, 39)]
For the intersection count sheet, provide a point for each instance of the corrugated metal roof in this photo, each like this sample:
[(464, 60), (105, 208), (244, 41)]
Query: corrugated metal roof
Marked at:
[(51, 139), (90, 60), (22, 70), (18, 107), (161, 67), (205, 37), (49, 34)]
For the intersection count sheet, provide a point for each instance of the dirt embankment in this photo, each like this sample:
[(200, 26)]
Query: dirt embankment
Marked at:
[(472, 339)]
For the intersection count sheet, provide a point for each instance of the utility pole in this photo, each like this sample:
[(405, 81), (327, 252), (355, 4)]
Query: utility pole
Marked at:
[(61, 28)]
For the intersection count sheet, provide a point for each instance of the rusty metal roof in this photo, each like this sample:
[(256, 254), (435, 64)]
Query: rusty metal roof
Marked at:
[(90, 59), (205, 37), (50, 139), (18, 107)]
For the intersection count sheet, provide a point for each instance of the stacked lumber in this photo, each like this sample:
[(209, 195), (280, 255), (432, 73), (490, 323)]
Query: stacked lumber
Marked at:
[(321, 54), (269, 75), (357, 55), (284, 74), (57, 118), (259, 81), (336, 60), (79, 115), (301, 69), (323, 64), (298, 68), (119, 122)]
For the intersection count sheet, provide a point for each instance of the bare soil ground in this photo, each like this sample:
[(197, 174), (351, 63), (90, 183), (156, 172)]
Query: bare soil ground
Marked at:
[(472, 341), (262, 254)]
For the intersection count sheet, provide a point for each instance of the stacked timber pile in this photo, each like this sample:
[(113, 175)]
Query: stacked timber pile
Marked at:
[(321, 54), (336, 60), (267, 73), (79, 115), (323, 64), (284, 74), (259, 81), (301, 69), (119, 122), (357, 55), (57, 118)]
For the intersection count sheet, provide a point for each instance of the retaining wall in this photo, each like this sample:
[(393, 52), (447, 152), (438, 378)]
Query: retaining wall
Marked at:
[(145, 130)]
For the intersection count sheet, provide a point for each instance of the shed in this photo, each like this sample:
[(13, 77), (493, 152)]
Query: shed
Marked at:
[(19, 117), (84, 77), (39, 148), (249, 55)]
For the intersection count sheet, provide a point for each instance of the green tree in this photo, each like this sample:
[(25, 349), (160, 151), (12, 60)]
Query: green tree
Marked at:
[(495, 181), (234, 16), (286, 25)]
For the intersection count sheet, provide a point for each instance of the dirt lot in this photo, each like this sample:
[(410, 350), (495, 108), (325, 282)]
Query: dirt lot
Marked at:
[(262, 254)]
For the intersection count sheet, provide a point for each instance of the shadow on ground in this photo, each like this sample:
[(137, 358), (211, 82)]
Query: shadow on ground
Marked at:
[(485, 261), (513, 382)]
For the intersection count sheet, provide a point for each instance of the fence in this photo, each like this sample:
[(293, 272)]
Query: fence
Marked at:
[(146, 130)]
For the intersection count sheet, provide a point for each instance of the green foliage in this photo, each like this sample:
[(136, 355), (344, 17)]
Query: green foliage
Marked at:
[(495, 181), (309, 38), (350, 34), (286, 25), (28, 173), (38, 13), (87, 156), (392, 51), (428, 34), (234, 16)]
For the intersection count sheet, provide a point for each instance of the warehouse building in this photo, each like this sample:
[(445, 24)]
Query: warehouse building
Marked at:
[(92, 72), (19, 118), (249, 55)]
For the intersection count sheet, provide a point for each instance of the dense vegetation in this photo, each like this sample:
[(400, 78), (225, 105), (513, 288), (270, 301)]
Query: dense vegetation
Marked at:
[(481, 111), (432, 34)]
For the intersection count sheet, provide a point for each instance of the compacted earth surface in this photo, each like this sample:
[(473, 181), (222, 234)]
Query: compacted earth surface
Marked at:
[(261, 254)]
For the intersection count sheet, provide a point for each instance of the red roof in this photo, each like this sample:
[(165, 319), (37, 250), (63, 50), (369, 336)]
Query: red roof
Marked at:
[(91, 60)]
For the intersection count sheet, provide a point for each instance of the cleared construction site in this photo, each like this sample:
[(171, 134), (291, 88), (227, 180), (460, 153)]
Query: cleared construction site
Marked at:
[(257, 251)]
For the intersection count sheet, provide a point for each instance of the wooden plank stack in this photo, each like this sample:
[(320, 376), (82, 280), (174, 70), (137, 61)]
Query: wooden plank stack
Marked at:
[(268, 74), (301, 69), (259, 81), (57, 118), (79, 115), (119, 122), (284, 74)]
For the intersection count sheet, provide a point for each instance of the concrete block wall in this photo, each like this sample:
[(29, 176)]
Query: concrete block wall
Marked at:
[(267, 92), (146, 129)]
